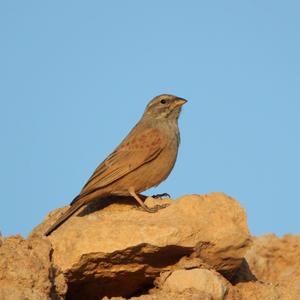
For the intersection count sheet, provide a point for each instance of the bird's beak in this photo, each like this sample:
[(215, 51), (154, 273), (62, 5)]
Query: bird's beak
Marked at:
[(179, 102)]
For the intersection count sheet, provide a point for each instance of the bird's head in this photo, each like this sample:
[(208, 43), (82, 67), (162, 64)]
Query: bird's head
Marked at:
[(164, 106)]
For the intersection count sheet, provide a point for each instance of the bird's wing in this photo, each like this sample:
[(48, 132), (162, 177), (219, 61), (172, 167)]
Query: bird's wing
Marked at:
[(135, 150)]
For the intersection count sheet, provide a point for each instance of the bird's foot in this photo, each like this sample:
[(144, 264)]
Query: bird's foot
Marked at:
[(163, 195), (153, 209)]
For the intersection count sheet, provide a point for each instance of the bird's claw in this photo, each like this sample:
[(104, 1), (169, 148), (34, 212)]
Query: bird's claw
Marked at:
[(153, 209), (166, 195)]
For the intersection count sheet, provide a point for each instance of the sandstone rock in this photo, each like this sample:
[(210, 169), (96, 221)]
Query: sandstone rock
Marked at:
[(187, 251), (119, 251), (209, 282), (259, 290), (277, 260), (274, 259), (161, 295), (26, 271), (186, 295)]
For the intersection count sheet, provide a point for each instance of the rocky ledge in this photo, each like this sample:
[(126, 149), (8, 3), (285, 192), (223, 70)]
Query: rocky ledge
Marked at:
[(199, 247)]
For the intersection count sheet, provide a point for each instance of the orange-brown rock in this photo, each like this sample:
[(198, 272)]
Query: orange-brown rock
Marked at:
[(26, 271), (119, 250), (208, 282), (199, 247), (275, 264), (274, 259), (259, 291)]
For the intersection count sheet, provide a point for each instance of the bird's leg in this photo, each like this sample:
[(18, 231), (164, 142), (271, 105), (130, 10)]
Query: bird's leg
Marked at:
[(142, 204), (161, 195)]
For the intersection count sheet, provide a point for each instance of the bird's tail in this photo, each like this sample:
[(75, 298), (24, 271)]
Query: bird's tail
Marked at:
[(72, 209)]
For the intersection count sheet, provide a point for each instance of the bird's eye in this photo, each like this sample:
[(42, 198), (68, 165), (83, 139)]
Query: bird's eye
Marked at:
[(163, 101)]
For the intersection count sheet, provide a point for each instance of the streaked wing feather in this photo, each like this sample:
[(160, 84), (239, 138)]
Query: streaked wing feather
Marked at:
[(130, 155)]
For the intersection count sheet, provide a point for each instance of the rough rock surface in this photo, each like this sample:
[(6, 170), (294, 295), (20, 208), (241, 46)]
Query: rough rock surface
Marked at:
[(271, 270), (126, 248), (26, 271), (259, 291), (274, 259), (206, 281), (199, 247)]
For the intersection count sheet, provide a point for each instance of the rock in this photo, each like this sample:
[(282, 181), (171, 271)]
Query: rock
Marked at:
[(275, 262), (274, 259), (186, 295), (185, 284), (26, 271), (208, 282), (259, 290), (119, 251), (196, 248)]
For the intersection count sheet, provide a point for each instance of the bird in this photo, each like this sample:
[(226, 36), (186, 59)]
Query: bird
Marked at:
[(144, 158)]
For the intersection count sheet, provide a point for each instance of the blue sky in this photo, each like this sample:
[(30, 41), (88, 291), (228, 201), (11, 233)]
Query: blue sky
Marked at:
[(76, 76)]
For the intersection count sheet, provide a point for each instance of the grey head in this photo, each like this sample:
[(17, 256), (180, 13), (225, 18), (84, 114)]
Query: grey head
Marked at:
[(164, 107)]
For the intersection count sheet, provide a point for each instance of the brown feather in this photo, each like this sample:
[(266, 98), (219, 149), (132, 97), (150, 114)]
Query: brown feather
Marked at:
[(117, 164), (72, 209)]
